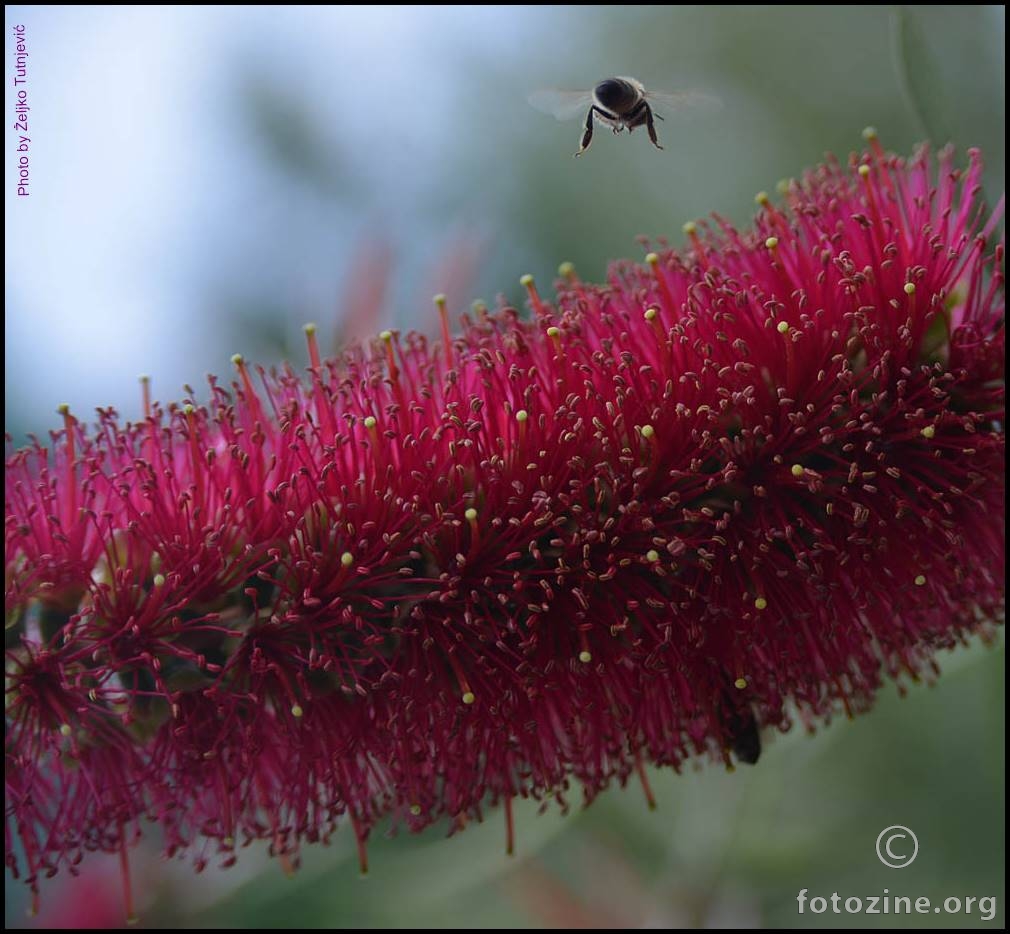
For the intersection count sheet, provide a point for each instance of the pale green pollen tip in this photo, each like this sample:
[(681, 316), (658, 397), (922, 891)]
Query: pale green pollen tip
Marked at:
[(159, 580), (910, 288), (760, 604), (237, 359), (439, 299), (415, 809), (690, 227), (347, 559), (864, 170), (566, 270), (471, 514), (772, 242), (928, 432), (522, 415), (740, 683), (526, 281), (651, 314), (188, 409), (296, 711), (585, 657), (652, 556), (762, 198), (652, 258), (554, 332), (870, 133), (920, 580), (65, 729), (387, 336), (648, 431), (782, 327), (797, 470), (63, 408), (782, 185), (469, 697), (309, 329), (369, 421)]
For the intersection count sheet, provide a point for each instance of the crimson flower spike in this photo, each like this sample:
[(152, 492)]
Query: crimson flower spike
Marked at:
[(738, 485)]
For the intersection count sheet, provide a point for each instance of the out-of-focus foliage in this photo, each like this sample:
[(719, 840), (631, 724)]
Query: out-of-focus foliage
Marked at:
[(342, 166)]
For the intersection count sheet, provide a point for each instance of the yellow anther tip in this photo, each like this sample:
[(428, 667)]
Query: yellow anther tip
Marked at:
[(797, 470), (554, 332), (864, 170), (65, 729), (651, 314), (648, 431), (296, 711), (689, 228), (585, 657), (526, 281), (760, 603), (928, 432), (369, 421), (652, 556), (762, 198), (439, 299), (347, 559), (415, 809), (237, 358), (566, 270), (522, 415), (910, 288), (652, 258), (188, 409), (309, 328), (870, 133), (740, 683), (159, 580), (63, 408), (470, 514), (772, 242), (782, 327), (920, 580), (469, 698), (387, 336)]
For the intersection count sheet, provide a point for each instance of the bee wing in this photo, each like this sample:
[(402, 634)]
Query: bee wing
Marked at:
[(696, 101), (563, 105)]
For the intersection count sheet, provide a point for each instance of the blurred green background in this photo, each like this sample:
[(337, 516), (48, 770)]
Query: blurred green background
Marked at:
[(207, 180)]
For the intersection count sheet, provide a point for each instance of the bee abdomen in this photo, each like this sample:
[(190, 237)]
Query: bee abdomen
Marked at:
[(616, 95)]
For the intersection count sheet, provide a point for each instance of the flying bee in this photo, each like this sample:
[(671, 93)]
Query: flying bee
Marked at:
[(620, 103)]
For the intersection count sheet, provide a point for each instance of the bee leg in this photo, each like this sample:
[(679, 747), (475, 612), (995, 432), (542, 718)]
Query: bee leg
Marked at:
[(651, 126), (587, 135)]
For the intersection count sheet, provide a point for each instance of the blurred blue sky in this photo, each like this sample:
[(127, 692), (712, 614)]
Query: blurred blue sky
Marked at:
[(144, 189)]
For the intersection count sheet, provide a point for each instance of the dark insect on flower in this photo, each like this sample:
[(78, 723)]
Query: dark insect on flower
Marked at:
[(738, 485), (745, 739)]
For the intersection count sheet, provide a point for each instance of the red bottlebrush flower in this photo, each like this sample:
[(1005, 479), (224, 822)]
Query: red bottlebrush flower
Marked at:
[(746, 481)]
